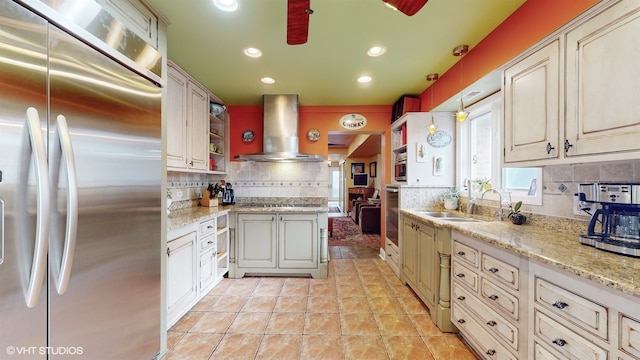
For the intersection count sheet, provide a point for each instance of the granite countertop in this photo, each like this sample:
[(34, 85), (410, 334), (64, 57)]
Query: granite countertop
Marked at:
[(183, 217), (549, 246)]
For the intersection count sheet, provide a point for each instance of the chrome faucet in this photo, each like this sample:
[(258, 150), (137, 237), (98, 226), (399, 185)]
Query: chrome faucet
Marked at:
[(467, 183), (500, 197)]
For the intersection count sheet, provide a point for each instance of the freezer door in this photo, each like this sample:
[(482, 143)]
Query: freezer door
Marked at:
[(111, 305), (23, 61)]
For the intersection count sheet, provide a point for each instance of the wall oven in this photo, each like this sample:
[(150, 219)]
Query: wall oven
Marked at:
[(400, 168), (391, 213)]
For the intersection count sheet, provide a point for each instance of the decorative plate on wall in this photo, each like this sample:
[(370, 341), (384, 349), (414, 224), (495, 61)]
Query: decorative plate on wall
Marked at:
[(247, 136), (313, 135), (439, 139)]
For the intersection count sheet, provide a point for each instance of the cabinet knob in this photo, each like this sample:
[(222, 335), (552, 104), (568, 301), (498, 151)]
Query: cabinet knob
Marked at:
[(550, 148), (491, 323), (461, 253), (567, 145), (460, 275), (461, 298), (560, 342), (493, 297), (168, 252), (493, 270), (461, 321), (560, 305), (491, 352)]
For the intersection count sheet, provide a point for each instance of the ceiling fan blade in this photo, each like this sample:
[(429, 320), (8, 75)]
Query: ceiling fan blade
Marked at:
[(407, 7), (298, 21)]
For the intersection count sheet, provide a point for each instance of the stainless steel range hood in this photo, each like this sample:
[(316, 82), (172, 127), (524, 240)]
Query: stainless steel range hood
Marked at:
[(280, 131)]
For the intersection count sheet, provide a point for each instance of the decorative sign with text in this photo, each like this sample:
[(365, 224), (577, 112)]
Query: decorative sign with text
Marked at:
[(353, 121)]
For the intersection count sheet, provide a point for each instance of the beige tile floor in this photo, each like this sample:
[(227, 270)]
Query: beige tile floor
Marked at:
[(361, 311)]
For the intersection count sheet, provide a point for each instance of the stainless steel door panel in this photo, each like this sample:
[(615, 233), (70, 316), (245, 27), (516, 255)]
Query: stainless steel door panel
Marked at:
[(22, 84), (111, 307)]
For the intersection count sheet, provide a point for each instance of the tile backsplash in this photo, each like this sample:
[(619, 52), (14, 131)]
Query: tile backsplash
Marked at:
[(257, 180)]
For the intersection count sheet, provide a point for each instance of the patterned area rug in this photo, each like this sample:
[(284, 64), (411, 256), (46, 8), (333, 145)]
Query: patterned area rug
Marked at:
[(347, 233), (334, 209)]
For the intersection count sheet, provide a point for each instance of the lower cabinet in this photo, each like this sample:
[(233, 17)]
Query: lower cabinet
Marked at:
[(426, 259), (197, 260), (280, 243), (392, 256), (489, 298), (511, 307), (182, 286)]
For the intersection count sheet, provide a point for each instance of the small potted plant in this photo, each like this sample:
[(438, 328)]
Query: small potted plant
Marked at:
[(450, 198), (514, 214)]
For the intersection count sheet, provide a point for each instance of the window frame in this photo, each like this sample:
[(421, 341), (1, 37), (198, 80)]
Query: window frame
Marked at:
[(492, 104)]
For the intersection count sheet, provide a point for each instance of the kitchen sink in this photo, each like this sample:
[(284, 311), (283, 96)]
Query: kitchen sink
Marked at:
[(449, 216)]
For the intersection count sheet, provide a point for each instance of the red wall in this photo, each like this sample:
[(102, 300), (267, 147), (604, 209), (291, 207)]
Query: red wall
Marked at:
[(529, 24)]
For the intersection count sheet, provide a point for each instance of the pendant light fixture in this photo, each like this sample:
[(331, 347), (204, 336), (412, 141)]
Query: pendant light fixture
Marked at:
[(461, 51), (432, 77)]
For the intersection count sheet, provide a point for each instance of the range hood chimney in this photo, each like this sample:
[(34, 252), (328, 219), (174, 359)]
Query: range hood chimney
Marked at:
[(280, 131)]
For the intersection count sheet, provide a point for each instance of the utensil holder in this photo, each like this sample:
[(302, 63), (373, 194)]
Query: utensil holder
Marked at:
[(206, 201)]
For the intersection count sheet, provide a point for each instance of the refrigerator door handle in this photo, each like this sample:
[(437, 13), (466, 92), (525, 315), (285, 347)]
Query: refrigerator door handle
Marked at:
[(63, 141), (33, 138)]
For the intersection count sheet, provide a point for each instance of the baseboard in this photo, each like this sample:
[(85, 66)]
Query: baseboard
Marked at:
[(383, 254)]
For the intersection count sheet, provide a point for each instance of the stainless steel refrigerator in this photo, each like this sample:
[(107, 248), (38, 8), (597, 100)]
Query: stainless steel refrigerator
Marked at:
[(80, 194)]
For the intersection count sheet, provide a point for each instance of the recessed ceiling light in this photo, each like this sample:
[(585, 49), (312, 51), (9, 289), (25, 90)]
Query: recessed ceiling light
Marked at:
[(377, 51), (267, 80), (364, 79), (226, 5), (252, 52)]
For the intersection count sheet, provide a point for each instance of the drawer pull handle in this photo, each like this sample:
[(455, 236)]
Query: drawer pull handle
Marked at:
[(493, 297), (493, 270), (461, 298), (209, 242), (460, 275), (461, 321), (491, 352), (560, 305), (491, 323), (461, 253), (560, 342), (209, 226)]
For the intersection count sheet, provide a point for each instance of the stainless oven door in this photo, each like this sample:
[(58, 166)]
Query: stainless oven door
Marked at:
[(391, 213)]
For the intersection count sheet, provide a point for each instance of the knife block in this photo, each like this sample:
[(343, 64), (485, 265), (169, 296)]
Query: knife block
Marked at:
[(205, 201)]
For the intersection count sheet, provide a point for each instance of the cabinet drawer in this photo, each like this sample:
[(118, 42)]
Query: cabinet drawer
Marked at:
[(464, 275), (489, 319), (465, 253), (207, 242), (486, 345), (502, 272), (501, 299), (565, 341), (541, 353), (630, 335), (207, 227), (582, 312)]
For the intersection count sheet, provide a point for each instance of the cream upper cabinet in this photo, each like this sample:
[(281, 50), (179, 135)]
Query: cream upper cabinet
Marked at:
[(187, 122), (532, 106), (574, 96), (602, 82), (176, 112)]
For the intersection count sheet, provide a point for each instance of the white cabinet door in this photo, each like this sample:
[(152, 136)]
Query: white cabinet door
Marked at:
[(257, 240), (602, 82), (428, 263), (181, 275), (298, 241), (409, 252), (531, 96), (176, 119), (207, 269), (197, 127)]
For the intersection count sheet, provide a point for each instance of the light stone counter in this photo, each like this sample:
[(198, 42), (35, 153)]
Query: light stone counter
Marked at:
[(547, 245), (182, 217)]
